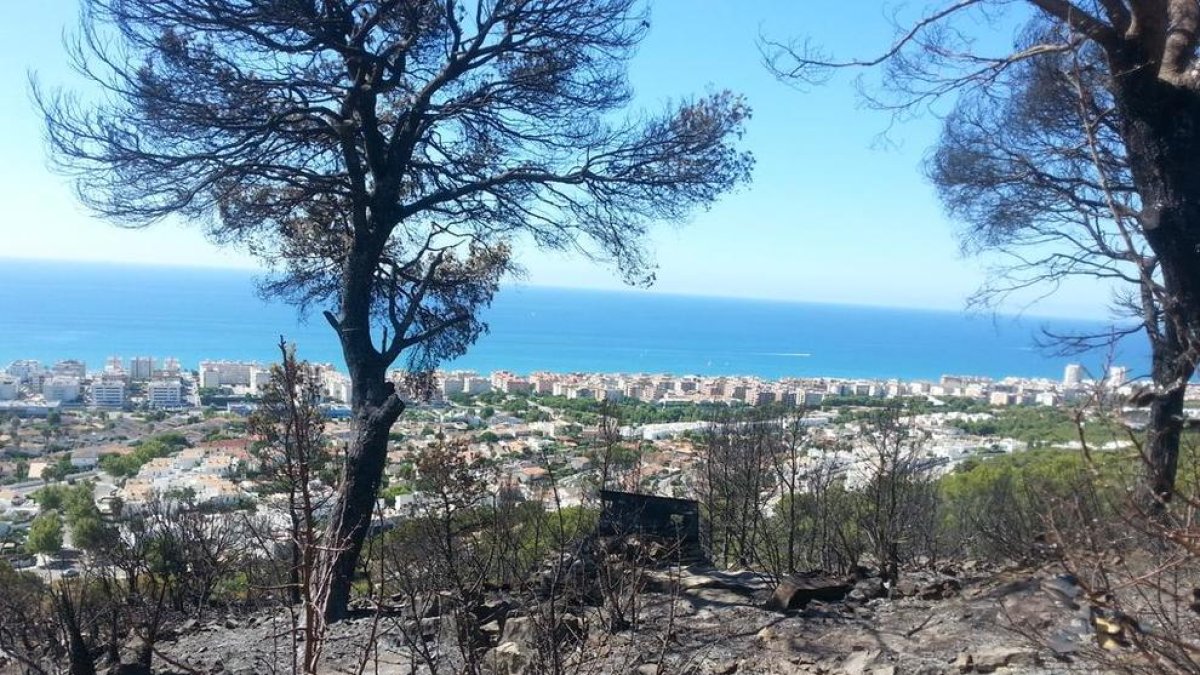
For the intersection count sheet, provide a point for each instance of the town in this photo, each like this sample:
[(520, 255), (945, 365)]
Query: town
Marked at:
[(146, 429)]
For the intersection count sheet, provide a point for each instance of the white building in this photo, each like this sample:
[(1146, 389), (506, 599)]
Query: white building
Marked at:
[(171, 367), (232, 373), (450, 384), (1073, 375), (60, 388), (26, 370), (210, 378), (108, 393), (71, 368), (1117, 376), (164, 394), (476, 385), (113, 366), (10, 387)]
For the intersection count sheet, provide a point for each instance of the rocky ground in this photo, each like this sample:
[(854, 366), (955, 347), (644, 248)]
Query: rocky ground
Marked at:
[(956, 620)]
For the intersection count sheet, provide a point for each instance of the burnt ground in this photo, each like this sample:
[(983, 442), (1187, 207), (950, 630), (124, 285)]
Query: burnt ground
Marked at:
[(1007, 621)]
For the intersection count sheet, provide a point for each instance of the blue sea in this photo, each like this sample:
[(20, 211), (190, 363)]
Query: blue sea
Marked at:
[(56, 310)]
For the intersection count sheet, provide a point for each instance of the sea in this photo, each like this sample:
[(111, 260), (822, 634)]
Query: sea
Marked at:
[(90, 311)]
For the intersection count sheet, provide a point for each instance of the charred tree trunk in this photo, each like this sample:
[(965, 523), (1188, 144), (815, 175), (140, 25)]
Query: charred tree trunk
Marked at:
[(351, 516), (1162, 445), (78, 655), (375, 408), (1161, 131)]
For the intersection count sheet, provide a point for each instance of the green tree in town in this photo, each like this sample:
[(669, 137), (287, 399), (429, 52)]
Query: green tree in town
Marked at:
[(45, 534)]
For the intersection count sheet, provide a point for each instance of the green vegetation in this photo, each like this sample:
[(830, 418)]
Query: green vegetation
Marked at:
[(162, 445), (1038, 426), (45, 534), (58, 470), (392, 491), (998, 507), (76, 506), (629, 411)]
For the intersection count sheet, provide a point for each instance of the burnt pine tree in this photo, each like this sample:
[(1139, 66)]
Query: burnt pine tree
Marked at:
[(383, 155), (1148, 51), (1043, 178)]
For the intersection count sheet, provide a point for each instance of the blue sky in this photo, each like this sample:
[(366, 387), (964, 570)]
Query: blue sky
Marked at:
[(831, 216)]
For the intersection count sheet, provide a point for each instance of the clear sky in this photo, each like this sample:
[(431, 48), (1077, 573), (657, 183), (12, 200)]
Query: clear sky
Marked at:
[(830, 216)]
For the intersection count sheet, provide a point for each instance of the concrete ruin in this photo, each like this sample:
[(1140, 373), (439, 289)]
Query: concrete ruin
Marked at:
[(676, 521)]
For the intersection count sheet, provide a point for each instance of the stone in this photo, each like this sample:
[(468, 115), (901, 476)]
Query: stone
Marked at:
[(867, 589), (904, 588), (858, 662), (795, 592), (990, 659), (942, 589), (507, 658)]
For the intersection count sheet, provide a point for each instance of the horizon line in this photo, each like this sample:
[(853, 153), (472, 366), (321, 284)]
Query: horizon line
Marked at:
[(994, 315)]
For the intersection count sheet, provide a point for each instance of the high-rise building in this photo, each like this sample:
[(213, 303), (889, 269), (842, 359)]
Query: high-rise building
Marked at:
[(141, 368), (1073, 375), (113, 365), (1117, 376), (171, 367)]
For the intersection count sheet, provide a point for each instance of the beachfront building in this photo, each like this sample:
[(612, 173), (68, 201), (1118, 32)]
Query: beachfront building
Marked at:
[(26, 370), (70, 368), (226, 373), (171, 367), (141, 368), (114, 367)]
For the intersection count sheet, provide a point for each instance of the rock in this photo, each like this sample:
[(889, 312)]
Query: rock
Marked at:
[(989, 659), (189, 626), (795, 592), (904, 588), (867, 589), (964, 663), (858, 662), (648, 669), (232, 624), (709, 667), (508, 658), (523, 631), (942, 589)]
